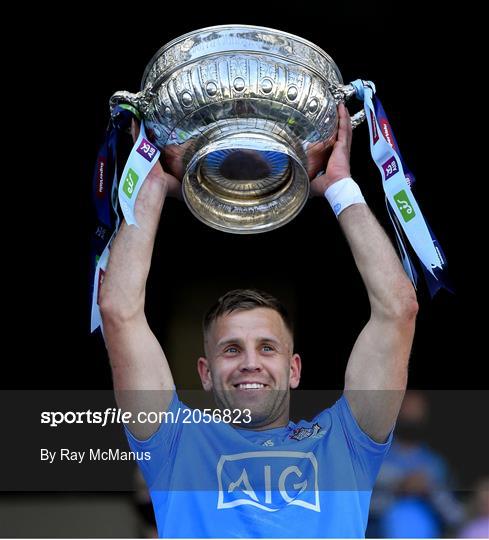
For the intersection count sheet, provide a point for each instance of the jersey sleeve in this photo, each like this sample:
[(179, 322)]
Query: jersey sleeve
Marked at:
[(366, 455), (155, 454)]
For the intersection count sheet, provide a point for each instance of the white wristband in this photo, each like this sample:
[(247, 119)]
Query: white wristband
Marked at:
[(342, 194)]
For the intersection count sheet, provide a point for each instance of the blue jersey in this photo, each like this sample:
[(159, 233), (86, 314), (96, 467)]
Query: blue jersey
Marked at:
[(310, 479)]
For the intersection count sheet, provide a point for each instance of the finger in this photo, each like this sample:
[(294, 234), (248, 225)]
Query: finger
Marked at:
[(345, 127), (349, 128), (344, 119)]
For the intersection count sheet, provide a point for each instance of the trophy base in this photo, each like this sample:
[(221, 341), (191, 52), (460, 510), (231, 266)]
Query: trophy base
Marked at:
[(246, 184)]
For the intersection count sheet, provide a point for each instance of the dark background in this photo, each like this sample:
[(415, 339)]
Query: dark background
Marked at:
[(73, 65)]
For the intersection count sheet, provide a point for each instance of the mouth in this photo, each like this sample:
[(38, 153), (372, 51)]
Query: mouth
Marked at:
[(249, 386)]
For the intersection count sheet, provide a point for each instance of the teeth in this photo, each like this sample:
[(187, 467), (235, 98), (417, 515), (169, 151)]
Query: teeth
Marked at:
[(251, 385)]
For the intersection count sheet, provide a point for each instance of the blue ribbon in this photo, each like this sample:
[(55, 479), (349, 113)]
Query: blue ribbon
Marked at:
[(398, 183), (104, 187)]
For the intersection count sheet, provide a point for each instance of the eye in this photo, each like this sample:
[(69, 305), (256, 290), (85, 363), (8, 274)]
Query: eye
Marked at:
[(267, 348), (231, 350)]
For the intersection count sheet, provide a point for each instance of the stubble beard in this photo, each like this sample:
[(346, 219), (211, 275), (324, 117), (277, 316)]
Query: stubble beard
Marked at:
[(263, 411)]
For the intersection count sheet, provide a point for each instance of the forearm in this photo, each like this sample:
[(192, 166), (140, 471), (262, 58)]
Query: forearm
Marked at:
[(389, 289), (376, 374), (123, 289)]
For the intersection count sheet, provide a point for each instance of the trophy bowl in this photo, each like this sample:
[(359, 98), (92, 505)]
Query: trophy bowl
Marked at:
[(243, 116)]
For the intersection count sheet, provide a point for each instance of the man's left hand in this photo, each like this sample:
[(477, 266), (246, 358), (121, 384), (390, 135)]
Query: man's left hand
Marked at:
[(339, 162)]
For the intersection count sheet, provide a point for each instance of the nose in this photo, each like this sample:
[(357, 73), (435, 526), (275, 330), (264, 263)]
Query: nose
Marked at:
[(250, 362)]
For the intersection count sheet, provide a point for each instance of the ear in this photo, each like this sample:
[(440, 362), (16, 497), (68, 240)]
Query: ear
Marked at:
[(295, 371), (204, 373)]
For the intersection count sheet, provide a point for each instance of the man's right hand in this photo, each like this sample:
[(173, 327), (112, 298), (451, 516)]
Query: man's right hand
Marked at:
[(157, 173)]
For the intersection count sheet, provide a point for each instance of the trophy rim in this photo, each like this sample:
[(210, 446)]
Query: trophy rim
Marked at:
[(183, 37)]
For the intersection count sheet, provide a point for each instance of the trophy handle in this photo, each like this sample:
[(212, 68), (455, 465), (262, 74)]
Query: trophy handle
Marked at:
[(344, 92), (139, 101)]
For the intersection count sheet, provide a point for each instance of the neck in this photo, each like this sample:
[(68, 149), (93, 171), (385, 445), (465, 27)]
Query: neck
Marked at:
[(281, 421)]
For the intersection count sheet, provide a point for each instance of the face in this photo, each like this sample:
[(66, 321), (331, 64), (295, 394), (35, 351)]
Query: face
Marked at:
[(250, 365)]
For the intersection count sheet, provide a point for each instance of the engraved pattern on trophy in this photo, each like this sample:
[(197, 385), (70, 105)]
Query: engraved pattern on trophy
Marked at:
[(241, 114), (224, 38)]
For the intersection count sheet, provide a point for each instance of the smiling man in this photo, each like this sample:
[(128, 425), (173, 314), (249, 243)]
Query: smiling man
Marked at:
[(250, 363), (268, 477)]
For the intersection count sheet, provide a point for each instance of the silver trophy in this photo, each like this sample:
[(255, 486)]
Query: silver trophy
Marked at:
[(243, 116)]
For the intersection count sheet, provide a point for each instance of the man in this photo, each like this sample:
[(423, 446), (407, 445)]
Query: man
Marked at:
[(269, 477)]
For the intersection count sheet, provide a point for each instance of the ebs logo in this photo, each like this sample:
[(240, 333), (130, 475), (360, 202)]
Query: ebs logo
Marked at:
[(147, 150), (268, 480)]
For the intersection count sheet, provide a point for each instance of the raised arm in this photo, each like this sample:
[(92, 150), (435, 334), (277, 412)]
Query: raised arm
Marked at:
[(141, 374), (376, 374)]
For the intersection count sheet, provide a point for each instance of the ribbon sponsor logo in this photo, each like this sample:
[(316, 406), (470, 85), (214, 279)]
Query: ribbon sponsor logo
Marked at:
[(404, 205), (268, 480), (101, 167), (147, 150), (390, 168), (386, 130), (130, 182), (373, 123)]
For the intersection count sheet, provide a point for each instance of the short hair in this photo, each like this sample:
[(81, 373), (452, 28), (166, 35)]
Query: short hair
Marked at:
[(245, 300)]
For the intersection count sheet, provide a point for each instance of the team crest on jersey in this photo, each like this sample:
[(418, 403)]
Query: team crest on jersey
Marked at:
[(303, 433)]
